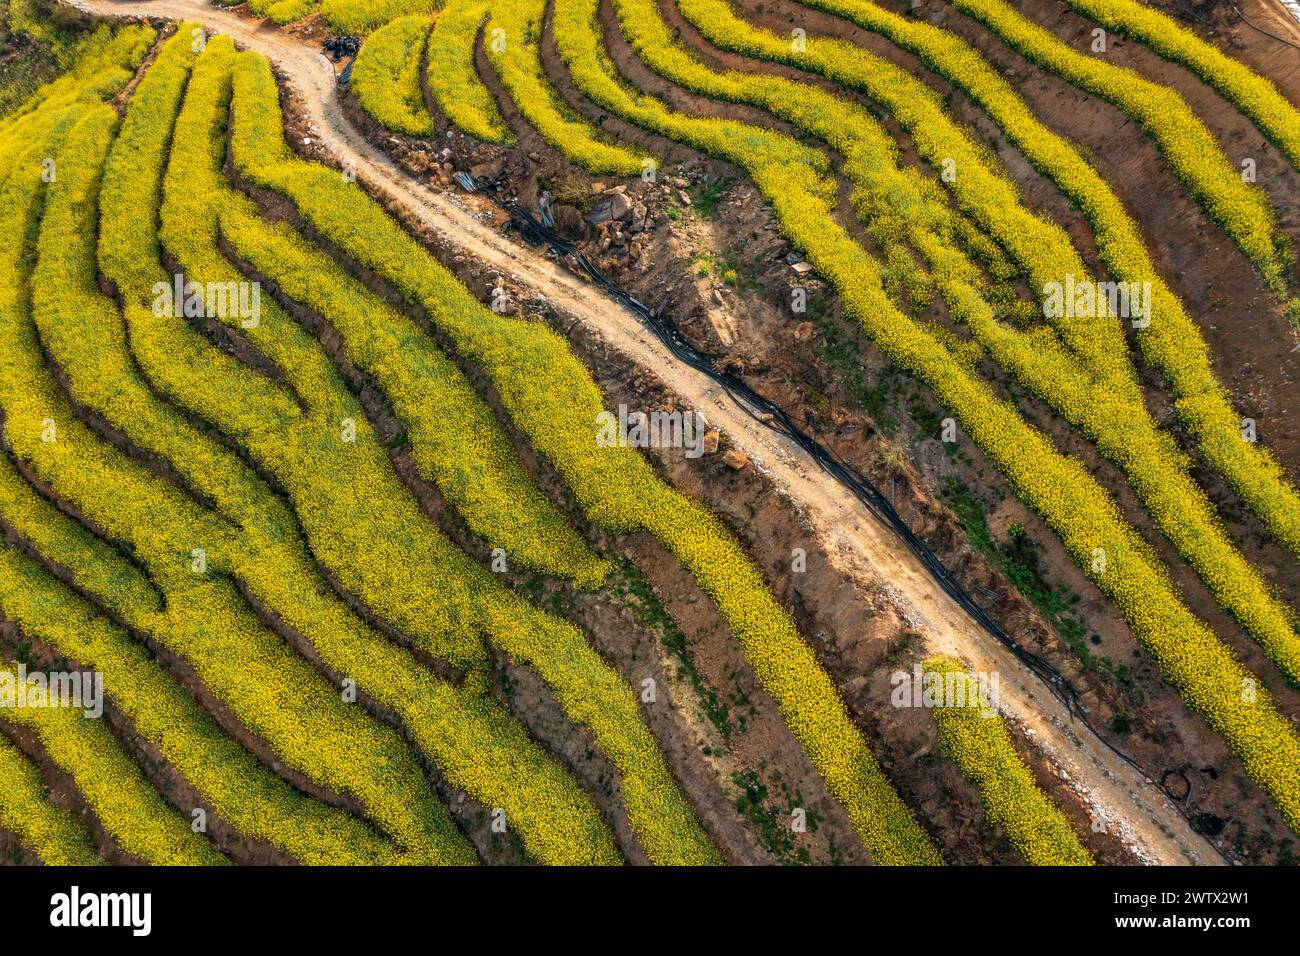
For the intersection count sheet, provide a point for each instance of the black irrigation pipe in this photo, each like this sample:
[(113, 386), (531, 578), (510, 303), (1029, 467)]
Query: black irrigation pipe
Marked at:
[(776, 418), (768, 413), (1258, 29)]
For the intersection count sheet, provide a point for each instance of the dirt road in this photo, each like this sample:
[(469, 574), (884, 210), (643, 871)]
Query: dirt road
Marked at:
[(1120, 796)]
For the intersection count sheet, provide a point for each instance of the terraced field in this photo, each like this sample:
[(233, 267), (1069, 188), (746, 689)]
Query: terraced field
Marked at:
[(303, 455)]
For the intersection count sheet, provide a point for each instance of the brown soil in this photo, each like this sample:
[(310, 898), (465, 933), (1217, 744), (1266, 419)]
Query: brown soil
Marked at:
[(768, 740), (609, 617), (175, 789), (14, 852), (780, 368), (860, 602), (956, 827), (61, 789), (1255, 358)]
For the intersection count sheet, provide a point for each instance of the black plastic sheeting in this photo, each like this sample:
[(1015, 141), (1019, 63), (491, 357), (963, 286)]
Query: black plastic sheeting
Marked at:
[(774, 417), (342, 46)]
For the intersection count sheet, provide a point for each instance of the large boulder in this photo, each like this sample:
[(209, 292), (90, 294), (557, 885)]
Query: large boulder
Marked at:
[(614, 205)]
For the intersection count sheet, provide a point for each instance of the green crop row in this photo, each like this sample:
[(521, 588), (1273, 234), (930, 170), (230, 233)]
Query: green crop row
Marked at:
[(513, 33), (362, 16), (238, 788), (23, 16), (552, 397), (452, 77), (137, 817), (53, 834), (283, 11), (978, 184), (477, 746), (1155, 467), (374, 334), (463, 448), (510, 35), (900, 202), (388, 73), (1188, 146), (1080, 511), (424, 573), (275, 694), (488, 755), (129, 256), (1254, 95), (1171, 342), (979, 744), (101, 65), (278, 697), (372, 549)]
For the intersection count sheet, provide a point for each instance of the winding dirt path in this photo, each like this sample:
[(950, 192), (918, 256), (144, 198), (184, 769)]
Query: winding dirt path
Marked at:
[(1141, 814)]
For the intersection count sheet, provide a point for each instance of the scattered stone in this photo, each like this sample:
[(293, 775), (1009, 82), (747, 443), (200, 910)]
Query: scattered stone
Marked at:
[(735, 459), (568, 220), (711, 439), (614, 207), (620, 207), (803, 332), (488, 170)]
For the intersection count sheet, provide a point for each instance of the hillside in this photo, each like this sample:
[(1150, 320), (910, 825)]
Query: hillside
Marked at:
[(973, 332)]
